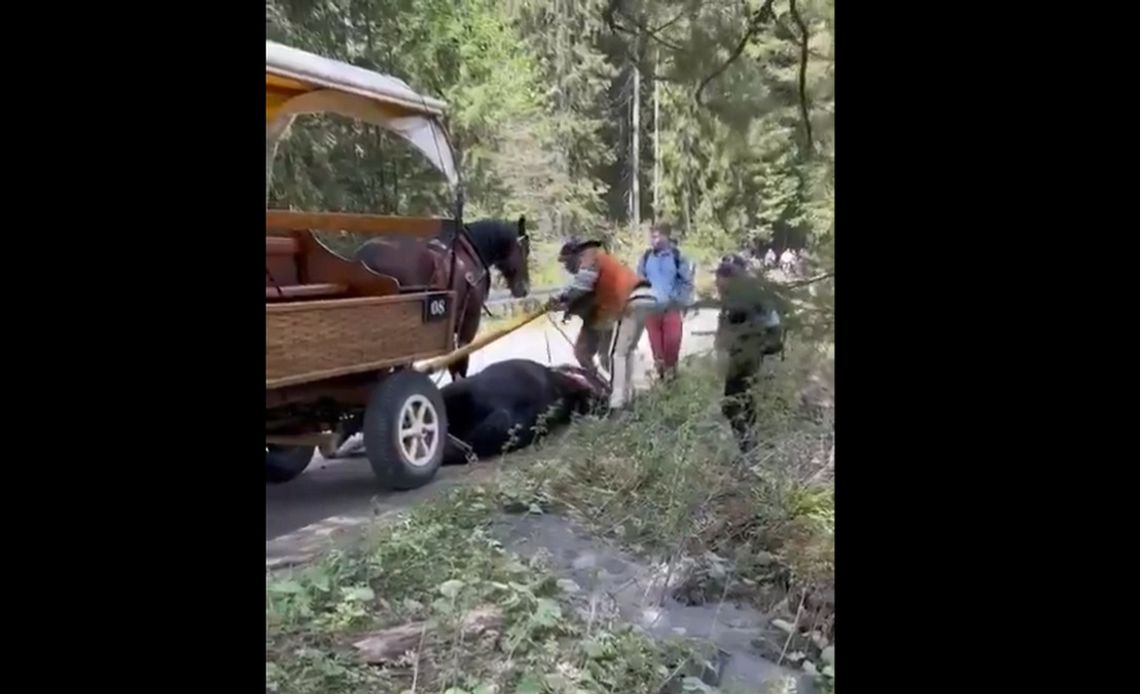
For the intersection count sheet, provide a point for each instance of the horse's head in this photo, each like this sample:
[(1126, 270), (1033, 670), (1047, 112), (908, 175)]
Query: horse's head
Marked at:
[(583, 391), (516, 266), (506, 247)]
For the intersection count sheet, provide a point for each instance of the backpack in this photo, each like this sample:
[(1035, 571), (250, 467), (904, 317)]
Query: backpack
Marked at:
[(676, 263), (676, 258)]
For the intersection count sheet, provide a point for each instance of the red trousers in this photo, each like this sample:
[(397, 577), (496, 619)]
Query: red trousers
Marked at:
[(665, 338)]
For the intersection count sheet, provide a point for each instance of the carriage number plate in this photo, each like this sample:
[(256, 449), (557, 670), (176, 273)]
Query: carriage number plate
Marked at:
[(436, 308)]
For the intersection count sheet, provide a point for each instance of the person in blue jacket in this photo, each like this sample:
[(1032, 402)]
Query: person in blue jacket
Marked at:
[(671, 276)]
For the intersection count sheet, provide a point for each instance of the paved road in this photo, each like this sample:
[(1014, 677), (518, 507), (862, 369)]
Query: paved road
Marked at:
[(334, 495)]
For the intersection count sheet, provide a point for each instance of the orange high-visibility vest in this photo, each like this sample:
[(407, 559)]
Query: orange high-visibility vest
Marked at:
[(615, 282)]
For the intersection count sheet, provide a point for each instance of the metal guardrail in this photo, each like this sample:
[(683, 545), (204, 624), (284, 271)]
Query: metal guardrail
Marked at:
[(503, 296), (503, 305)]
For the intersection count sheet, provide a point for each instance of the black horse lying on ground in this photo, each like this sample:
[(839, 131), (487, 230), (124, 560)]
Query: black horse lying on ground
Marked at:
[(496, 410)]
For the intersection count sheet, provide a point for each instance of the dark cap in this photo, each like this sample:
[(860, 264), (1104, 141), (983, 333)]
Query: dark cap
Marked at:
[(731, 265), (569, 248), (576, 245)]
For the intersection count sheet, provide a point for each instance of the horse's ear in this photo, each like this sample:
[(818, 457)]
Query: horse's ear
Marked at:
[(522, 226)]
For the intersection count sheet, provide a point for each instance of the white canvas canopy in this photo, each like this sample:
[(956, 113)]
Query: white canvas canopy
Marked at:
[(297, 82)]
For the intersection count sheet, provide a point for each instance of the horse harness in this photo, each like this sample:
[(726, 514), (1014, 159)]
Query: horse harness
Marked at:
[(473, 282)]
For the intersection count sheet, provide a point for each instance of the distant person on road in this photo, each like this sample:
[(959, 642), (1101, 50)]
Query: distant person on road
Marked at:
[(670, 276), (797, 263), (770, 259), (611, 299), (748, 329), (786, 260)]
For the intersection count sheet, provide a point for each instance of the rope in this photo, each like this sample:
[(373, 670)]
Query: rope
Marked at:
[(560, 330)]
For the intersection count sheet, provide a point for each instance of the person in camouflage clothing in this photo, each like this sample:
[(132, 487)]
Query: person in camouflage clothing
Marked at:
[(748, 329)]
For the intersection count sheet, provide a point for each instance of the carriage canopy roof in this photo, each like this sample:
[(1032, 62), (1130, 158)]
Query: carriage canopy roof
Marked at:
[(297, 82)]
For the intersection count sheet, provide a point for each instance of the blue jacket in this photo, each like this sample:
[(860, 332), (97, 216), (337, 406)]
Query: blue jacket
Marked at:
[(670, 275)]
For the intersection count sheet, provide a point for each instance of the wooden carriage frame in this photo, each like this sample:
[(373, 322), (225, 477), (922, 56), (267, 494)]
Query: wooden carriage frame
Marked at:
[(340, 338)]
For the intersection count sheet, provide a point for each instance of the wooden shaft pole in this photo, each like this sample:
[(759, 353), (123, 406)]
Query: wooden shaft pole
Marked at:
[(445, 360)]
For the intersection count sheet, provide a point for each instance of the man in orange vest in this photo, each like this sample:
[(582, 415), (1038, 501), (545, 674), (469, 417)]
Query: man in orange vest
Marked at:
[(608, 296)]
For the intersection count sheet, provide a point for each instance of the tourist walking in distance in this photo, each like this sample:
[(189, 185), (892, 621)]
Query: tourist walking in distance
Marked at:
[(786, 261), (670, 276)]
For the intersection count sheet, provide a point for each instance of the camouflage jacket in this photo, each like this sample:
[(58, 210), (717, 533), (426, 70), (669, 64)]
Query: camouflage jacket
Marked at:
[(748, 324)]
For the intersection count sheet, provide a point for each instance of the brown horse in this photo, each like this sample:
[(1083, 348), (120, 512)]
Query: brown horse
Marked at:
[(481, 245)]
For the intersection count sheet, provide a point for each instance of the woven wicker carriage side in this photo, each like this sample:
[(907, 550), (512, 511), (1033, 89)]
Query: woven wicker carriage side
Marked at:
[(339, 338)]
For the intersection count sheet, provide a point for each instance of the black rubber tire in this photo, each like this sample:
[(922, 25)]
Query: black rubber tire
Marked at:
[(284, 463), (382, 424)]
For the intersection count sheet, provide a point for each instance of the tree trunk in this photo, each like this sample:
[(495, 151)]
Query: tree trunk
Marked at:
[(656, 139), (635, 152), (688, 211)]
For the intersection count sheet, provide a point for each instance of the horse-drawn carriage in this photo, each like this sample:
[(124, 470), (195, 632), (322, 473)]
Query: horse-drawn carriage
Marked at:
[(342, 335)]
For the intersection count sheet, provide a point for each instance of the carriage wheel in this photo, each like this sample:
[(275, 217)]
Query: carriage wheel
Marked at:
[(405, 430), (283, 463)]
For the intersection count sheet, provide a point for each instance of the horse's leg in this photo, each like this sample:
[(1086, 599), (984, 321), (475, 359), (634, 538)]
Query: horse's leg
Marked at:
[(468, 327), (496, 434)]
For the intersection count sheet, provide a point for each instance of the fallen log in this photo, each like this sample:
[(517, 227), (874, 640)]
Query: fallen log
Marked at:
[(389, 645)]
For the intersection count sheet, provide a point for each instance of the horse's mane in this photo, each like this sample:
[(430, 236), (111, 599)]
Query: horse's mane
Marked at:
[(492, 237)]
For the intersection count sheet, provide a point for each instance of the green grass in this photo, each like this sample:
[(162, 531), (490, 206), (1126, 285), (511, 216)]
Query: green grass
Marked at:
[(435, 566), (545, 270), (669, 483), (670, 478)]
